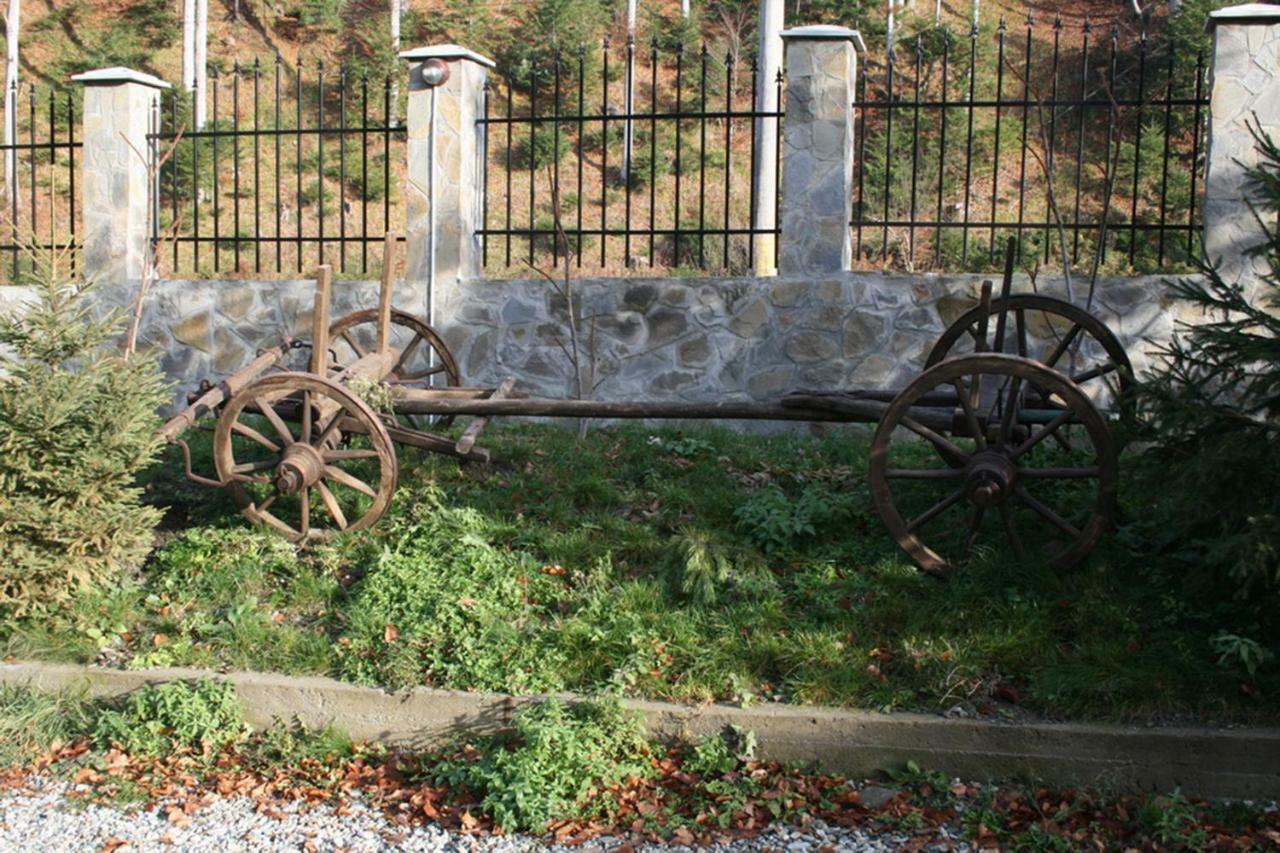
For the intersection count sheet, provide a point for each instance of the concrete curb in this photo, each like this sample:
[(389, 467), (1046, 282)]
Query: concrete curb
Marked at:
[(1227, 763)]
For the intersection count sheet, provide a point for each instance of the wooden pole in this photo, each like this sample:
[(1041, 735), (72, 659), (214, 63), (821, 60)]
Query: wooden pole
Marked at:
[(320, 322), (384, 293)]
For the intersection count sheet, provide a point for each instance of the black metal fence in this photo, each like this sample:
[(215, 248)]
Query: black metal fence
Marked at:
[(622, 159), (292, 168), (40, 173), (1076, 142)]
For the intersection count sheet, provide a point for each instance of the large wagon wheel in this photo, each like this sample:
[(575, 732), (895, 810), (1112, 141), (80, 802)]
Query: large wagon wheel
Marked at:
[(1079, 344), (276, 445), (424, 356), (995, 471)]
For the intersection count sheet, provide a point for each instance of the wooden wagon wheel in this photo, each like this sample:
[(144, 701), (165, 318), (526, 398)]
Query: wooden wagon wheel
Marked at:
[(276, 447), (356, 335), (423, 353), (1080, 345), (996, 471)]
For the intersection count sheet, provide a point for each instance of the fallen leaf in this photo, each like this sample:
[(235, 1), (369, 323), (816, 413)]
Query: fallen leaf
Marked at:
[(390, 634)]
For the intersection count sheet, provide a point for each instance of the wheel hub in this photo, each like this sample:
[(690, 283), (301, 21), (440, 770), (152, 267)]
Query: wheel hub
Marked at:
[(299, 469), (990, 477)]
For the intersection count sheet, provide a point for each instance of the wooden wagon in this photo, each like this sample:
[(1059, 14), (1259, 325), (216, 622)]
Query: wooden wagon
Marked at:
[(988, 436)]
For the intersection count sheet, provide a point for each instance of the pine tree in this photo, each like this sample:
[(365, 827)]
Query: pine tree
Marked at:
[(77, 423), (1213, 408)]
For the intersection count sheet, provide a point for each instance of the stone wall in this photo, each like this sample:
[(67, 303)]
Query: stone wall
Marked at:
[(668, 338)]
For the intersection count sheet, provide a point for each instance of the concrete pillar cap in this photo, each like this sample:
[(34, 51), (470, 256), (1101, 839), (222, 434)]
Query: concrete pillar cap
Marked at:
[(118, 74), (447, 52), (825, 32), (1247, 13)]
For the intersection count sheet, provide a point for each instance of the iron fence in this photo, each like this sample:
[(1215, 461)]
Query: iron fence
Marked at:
[(261, 188), (1078, 145), (650, 165), (40, 198)]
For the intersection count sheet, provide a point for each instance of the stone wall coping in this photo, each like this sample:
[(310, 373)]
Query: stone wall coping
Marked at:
[(1246, 13), (825, 32), (446, 52), (119, 74)]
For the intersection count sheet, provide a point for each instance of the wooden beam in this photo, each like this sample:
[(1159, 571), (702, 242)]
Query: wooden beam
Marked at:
[(468, 438), (384, 293), (320, 321)]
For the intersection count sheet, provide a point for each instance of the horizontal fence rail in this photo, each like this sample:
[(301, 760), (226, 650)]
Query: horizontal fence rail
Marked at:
[(650, 165), (292, 169), (41, 170), (1075, 143)]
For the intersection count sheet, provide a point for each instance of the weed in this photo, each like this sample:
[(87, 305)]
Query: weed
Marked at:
[(158, 719), (557, 760)]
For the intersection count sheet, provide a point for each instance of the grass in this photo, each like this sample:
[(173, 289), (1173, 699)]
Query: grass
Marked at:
[(681, 565)]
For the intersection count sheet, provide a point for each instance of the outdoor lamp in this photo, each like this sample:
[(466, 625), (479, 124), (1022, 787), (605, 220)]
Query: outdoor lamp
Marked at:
[(435, 72)]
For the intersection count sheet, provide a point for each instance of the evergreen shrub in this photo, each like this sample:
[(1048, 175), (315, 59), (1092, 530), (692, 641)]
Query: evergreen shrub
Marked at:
[(77, 422)]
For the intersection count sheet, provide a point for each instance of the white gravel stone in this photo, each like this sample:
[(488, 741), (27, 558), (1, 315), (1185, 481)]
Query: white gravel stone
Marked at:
[(44, 818)]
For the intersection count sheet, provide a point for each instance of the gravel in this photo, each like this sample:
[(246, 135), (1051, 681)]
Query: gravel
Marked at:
[(43, 817)]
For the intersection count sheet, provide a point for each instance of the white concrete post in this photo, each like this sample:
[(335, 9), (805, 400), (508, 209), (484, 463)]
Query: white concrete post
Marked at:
[(445, 170), (817, 149), (768, 64), (1244, 91), (120, 106)]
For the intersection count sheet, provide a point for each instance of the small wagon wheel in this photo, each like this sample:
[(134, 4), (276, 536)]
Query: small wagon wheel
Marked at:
[(995, 471), (356, 335), (423, 353), (1079, 344), (276, 446)]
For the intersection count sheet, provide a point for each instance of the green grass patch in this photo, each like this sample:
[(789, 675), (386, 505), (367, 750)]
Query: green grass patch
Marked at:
[(666, 564)]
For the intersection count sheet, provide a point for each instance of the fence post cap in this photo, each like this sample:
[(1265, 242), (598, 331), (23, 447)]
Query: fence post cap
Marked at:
[(1247, 13), (447, 52), (118, 74), (826, 32)]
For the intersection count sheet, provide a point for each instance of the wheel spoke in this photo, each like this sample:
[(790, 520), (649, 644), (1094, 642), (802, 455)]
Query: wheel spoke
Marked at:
[(971, 419), (945, 445), (1045, 512), (934, 511), (1011, 405), (251, 433), (1059, 473), (1011, 532), (329, 429), (924, 473), (1042, 433), (269, 412), (305, 500), (1020, 324), (304, 434), (348, 480), (1094, 372), (1061, 348), (246, 467), (331, 504), (406, 352), (360, 351), (975, 525), (339, 455)]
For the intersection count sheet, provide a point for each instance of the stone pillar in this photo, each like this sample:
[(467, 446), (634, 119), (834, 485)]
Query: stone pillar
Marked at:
[(1244, 92), (458, 104), (817, 149), (120, 106)]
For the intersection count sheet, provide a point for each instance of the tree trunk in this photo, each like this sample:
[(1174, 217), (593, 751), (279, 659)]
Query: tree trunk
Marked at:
[(770, 63), (11, 100), (396, 13), (201, 52), (188, 45)]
